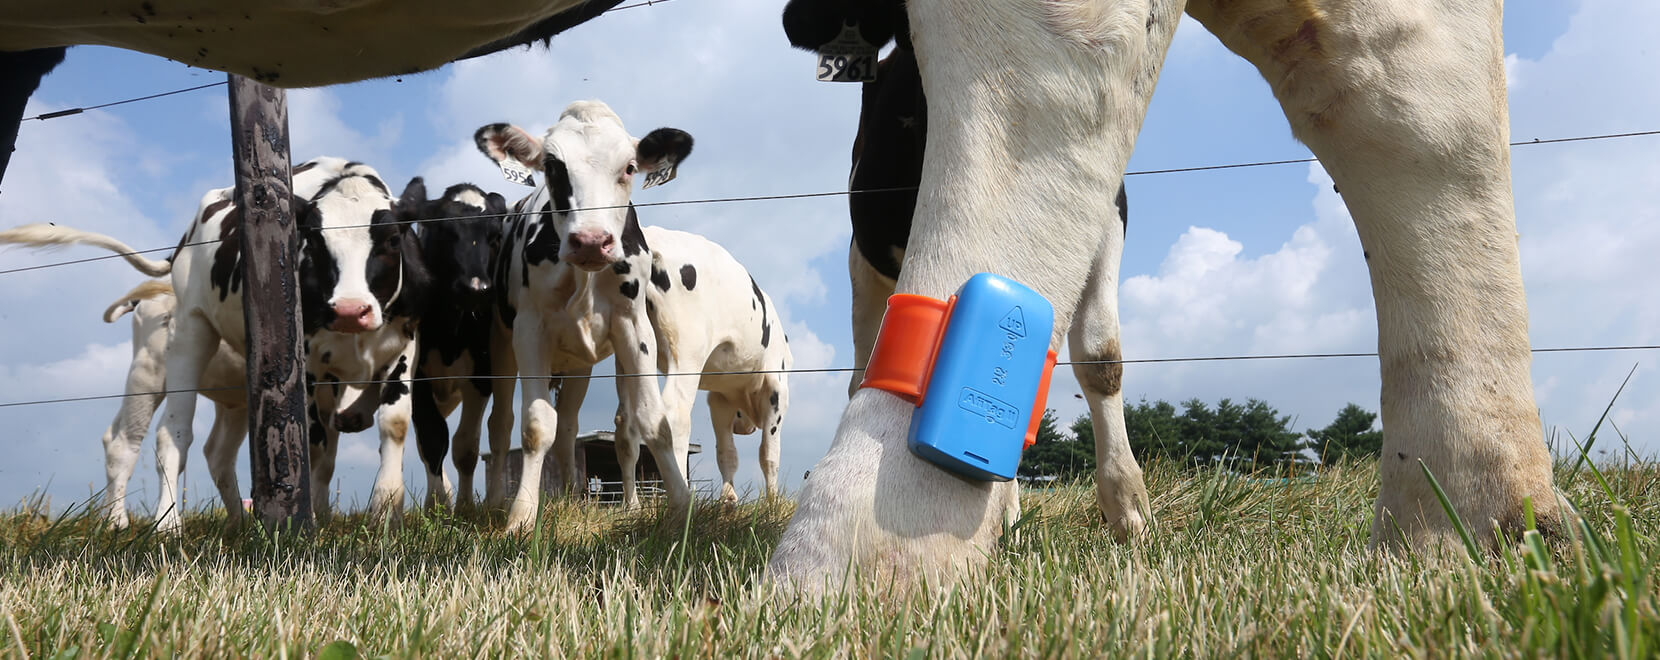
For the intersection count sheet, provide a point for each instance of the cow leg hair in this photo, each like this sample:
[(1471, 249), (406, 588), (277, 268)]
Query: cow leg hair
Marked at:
[(721, 416), (432, 434), (772, 433), (464, 447), (125, 436), (539, 421), (387, 499), (503, 365), (643, 412), (572, 391), (191, 343), (230, 426), (1120, 491)]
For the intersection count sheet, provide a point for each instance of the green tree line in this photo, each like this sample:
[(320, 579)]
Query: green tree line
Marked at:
[(1251, 433)]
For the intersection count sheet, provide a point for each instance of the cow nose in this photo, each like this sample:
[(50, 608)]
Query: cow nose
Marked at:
[(591, 246), (353, 316), (478, 285)]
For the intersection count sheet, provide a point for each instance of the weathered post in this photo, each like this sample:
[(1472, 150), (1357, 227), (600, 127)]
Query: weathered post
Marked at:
[(279, 452)]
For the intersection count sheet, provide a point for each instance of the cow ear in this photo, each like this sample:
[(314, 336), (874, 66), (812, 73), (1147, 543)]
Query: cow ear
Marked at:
[(810, 24), (414, 194), (495, 205), (663, 149), (505, 141)]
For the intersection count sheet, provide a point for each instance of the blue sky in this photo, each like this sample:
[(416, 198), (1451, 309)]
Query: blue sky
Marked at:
[(1232, 262)]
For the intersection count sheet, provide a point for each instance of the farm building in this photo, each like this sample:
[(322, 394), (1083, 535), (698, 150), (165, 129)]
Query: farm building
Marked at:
[(596, 466)]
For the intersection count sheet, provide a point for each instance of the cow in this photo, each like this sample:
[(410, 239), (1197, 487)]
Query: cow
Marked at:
[(361, 283), (571, 274), (461, 235), (295, 45), (1034, 107), (887, 168), (711, 316), (151, 304)]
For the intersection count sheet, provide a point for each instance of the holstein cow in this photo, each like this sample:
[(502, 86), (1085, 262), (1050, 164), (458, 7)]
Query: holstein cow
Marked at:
[(711, 316), (152, 304), (570, 276), (1034, 107), (361, 280), (461, 234), (296, 44), (887, 154)]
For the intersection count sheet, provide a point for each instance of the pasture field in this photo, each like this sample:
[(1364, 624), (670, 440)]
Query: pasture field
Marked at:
[(1234, 567)]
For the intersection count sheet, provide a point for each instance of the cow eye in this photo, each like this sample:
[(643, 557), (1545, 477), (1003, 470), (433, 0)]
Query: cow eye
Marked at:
[(632, 168)]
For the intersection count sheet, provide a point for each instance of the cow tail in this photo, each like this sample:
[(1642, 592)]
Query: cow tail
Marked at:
[(50, 236), (129, 301)]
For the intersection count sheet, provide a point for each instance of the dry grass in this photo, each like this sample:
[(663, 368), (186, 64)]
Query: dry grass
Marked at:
[(1234, 566)]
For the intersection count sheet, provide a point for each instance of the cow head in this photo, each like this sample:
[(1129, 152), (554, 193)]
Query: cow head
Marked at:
[(359, 259), (590, 163), (810, 24), (461, 232)]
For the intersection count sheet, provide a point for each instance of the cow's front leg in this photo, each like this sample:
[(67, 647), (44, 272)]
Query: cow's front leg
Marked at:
[(573, 388), (529, 345), (230, 426), (1404, 104), (1019, 178), (503, 367), (190, 345), (1120, 491), (464, 448), (387, 500), (643, 413), (432, 440)]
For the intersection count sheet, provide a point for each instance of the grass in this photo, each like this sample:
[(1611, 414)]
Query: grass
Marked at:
[(1234, 566)]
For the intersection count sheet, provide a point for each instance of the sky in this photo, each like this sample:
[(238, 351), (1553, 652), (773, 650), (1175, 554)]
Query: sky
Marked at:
[(1231, 262)]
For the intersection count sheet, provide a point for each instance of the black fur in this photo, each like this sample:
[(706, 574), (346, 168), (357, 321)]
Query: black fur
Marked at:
[(812, 23)]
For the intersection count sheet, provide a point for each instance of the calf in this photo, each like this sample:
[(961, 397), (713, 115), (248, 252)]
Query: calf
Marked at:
[(361, 279), (711, 316), (461, 234), (571, 278), (152, 304)]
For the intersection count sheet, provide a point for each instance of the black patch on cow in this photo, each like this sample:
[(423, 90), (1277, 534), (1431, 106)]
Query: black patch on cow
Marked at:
[(812, 23), (643, 349), (208, 213), (621, 267), (394, 388), (1123, 202), (302, 168), (887, 154), (326, 356), (319, 435), (772, 431), (688, 277), (559, 182), (774, 399), (633, 239), (544, 243), (659, 278), (766, 326), (630, 288), (432, 432), (650, 308), (226, 272)]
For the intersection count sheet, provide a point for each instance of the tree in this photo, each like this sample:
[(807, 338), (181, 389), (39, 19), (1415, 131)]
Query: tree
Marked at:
[(1347, 437), (1056, 453)]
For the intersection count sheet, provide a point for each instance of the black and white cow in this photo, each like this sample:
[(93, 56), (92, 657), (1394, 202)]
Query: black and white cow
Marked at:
[(711, 316), (461, 234), (570, 277), (361, 282)]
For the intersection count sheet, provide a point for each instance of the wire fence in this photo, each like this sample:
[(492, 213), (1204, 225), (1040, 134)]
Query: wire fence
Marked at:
[(778, 197), (759, 372)]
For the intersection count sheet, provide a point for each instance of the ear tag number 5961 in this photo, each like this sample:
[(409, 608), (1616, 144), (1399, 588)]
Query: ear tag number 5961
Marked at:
[(847, 58)]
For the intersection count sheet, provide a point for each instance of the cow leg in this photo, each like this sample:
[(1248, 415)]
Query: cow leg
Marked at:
[(325, 445), (1404, 104), (679, 398), (1019, 173), (539, 421), (464, 448), (386, 501), (132, 422), (722, 414), (870, 301), (777, 393), (1119, 489), (642, 412), (191, 343), (432, 434), (568, 403), (230, 426), (503, 365)]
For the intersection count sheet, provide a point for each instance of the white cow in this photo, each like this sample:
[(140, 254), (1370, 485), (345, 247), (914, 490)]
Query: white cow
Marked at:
[(1033, 108), (571, 270), (711, 316)]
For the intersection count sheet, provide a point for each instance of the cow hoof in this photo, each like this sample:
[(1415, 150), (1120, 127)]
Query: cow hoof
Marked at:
[(728, 494), (1123, 505), (522, 518)]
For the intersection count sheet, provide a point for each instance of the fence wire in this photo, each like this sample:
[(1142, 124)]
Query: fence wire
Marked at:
[(786, 196), (819, 370)]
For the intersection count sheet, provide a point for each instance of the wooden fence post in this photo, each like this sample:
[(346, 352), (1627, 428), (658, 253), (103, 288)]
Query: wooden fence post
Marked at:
[(281, 469)]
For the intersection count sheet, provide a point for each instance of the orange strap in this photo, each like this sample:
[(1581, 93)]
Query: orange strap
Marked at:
[(908, 343)]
